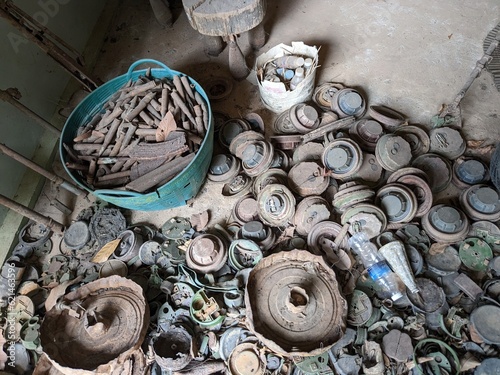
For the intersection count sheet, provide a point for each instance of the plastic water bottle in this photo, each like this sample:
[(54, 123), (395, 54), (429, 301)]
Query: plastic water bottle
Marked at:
[(376, 266), (297, 78)]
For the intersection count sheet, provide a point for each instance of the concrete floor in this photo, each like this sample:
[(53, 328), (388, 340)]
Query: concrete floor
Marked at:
[(411, 56)]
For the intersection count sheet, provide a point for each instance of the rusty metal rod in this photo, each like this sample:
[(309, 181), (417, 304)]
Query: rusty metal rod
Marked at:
[(55, 226), (6, 97), (59, 181)]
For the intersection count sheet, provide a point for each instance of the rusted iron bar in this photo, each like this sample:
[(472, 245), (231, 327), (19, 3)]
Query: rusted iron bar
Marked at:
[(55, 226), (10, 96), (59, 181), (36, 33)]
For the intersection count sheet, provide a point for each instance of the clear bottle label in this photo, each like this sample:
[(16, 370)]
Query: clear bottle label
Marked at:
[(378, 270)]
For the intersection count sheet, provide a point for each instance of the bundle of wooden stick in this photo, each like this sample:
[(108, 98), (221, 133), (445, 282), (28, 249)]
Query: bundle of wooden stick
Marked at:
[(146, 133)]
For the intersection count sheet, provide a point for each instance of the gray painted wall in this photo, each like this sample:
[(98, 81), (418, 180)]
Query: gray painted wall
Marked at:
[(40, 80)]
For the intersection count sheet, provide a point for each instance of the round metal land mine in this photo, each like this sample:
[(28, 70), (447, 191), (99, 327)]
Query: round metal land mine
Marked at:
[(230, 129), (365, 217), (494, 268), (366, 133), (430, 300), (348, 102), (415, 259), (256, 122), (77, 235), (257, 157), (223, 168), (294, 305), (371, 172), (238, 186), (475, 254), (240, 139), (206, 253), (360, 308), (437, 168), (487, 231), (489, 366), (128, 248), (246, 360), (467, 172), (398, 202), (325, 230), (343, 157), (417, 138), (351, 194), (244, 210), (149, 252), (445, 224), (280, 160), (310, 211), (388, 117), (307, 178), (485, 323), (323, 94), (310, 151), (447, 142), (271, 176), (422, 192), (276, 205), (283, 124), (393, 152), (304, 117), (481, 202), (443, 263), (259, 233)]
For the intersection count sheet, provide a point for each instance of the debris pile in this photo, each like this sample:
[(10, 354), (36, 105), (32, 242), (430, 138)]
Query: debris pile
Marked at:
[(282, 287)]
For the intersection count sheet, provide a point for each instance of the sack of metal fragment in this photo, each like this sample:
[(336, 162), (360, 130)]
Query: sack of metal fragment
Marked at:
[(285, 75)]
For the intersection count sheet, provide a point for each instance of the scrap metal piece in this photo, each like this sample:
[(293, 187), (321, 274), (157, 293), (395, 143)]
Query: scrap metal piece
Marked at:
[(397, 345), (360, 308), (327, 238), (388, 117), (205, 311), (34, 234), (106, 224), (443, 262), (105, 321), (395, 254), (343, 123), (176, 227), (244, 254), (293, 304), (430, 300), (317, 364), (468, 286), (373, 361), (173, 348)]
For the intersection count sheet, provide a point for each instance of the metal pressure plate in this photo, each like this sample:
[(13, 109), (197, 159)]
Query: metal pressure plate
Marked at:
[(294, 305)]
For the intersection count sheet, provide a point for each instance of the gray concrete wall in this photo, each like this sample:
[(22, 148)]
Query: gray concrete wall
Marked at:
[(41, 82)]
